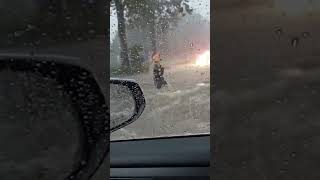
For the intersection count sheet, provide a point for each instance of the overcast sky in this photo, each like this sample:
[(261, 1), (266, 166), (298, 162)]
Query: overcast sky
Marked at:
[(201, 7)]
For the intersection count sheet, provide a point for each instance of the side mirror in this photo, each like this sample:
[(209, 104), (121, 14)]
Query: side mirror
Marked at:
[(127, 103), (53, 120)]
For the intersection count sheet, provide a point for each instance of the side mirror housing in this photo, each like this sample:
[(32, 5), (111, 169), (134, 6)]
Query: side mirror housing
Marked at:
[(127, 103)]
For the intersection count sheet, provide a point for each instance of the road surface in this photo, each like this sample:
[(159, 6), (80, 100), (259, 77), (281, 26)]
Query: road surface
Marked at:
[(182, 108)]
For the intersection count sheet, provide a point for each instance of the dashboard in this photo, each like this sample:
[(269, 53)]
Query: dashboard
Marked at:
[(185, 157)]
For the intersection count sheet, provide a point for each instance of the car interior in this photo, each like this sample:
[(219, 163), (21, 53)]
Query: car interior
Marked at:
[(161, 158)]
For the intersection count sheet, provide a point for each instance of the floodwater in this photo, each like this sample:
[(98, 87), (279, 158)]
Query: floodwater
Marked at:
[(181, 108)]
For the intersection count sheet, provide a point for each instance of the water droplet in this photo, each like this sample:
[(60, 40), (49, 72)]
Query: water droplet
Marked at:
[(306, 34), (278, 101), (60, 86), (279, 31), (17, 33), (295, 41), (29, 27), (302, 105), (274, 132), (92, 31), (283, 171)]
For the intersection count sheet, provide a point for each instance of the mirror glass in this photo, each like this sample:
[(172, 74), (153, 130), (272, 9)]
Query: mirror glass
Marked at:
[(39, 128), (122, 105)]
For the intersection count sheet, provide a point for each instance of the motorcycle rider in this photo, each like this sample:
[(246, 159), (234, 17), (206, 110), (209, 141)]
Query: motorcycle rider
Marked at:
[(158, 71)]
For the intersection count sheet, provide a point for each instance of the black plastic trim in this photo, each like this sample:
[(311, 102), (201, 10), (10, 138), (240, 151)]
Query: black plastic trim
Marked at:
[(174, 156), (139, 99)]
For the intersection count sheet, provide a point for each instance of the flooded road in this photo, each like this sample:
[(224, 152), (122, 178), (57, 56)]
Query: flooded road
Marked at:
[(181, 108)]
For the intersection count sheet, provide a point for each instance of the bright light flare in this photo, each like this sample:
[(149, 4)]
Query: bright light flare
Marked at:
[(203, 59)]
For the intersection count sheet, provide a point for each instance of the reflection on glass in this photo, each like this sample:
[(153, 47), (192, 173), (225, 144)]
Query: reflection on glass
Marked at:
[(122, 104), (37, 124)]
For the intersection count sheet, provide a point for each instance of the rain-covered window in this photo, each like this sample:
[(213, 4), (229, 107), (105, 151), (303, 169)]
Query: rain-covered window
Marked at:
[(165, 47)]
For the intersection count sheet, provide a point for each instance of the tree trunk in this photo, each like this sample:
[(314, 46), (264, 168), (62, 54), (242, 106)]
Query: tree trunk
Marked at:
[(122, 34), (153, 36)]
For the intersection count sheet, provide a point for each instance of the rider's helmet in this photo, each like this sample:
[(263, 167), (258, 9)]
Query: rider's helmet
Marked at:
[(156, 57)]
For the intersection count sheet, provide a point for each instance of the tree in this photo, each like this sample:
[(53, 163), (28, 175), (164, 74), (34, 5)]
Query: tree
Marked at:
[(124, 56), (156, 15)]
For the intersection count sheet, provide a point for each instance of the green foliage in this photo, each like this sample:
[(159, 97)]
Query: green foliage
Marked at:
[(137, 62), (156, 15), (142, 13), (135, 53)]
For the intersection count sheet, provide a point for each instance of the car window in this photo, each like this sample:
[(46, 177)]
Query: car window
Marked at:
[(35, 121), (267, 89), (165, 47), (50, 32)]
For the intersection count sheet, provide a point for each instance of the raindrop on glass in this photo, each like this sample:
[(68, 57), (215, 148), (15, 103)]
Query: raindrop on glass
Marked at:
[(53, 72), (295, 41), (306, 35), (91, 31), (279, 31)]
